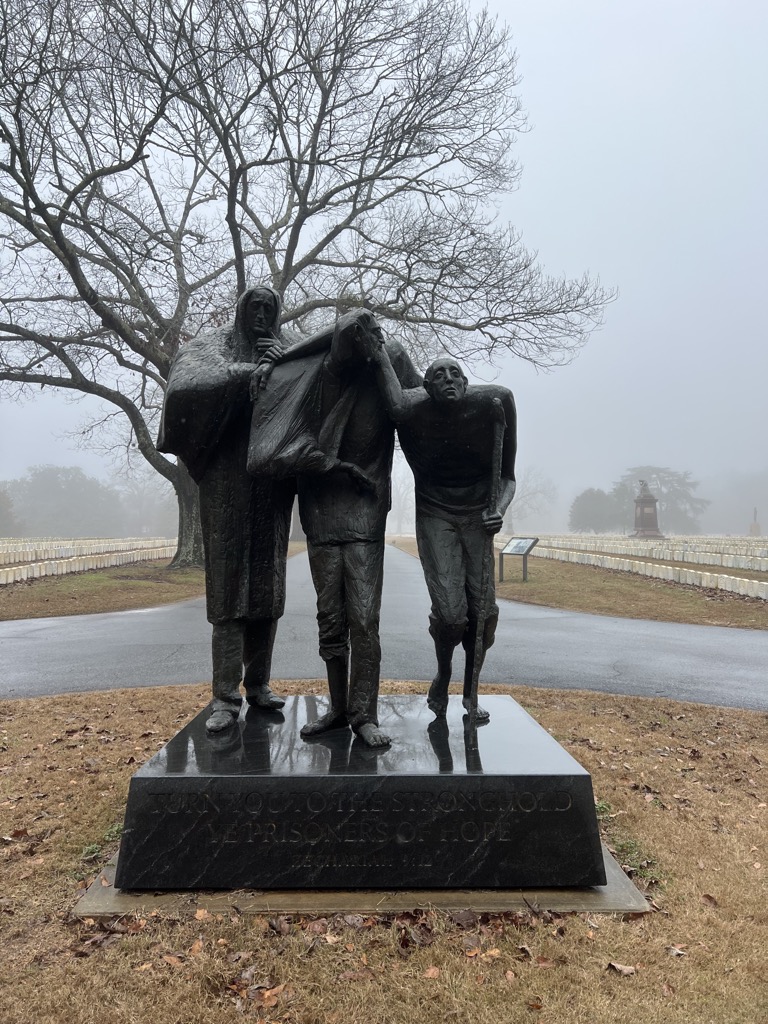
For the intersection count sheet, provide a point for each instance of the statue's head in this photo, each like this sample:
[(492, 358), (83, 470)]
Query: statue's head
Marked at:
[(357, 336), (445, 382), (258, 311)]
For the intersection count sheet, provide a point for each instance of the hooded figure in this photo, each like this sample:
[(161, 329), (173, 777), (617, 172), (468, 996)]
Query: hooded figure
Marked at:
[(245, 519)]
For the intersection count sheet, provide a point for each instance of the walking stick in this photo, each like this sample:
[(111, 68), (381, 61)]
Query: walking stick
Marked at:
[(499, 427)]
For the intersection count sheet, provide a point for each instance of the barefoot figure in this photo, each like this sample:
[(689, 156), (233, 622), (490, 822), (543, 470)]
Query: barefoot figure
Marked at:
[(446, 429), (321, 415)]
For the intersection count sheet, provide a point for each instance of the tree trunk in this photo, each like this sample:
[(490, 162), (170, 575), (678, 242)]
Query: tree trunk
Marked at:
[(190, 546)]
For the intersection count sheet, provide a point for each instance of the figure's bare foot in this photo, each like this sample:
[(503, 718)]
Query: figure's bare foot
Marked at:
[(372, 736), (330, 720), (437, 698), (262, 697), (481, 715), (221, 720)]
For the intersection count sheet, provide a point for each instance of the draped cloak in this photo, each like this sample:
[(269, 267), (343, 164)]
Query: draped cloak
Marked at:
[(308, 417), (245, 519)]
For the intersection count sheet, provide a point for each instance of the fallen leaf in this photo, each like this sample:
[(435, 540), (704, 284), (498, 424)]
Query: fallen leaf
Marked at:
[(623, 969), (318, 927), (267, 997), (544, 961), (510, 976), (525, 953), (708, 900), (201, 914), (144, 967), (464, 918), (676, 950), (432, 972), (356, 921), (332, 939), (535, 1004), (667, 990), (196, 948), (174, 961)]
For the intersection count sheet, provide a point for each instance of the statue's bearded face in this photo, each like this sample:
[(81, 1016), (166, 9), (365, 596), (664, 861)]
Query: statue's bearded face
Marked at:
[(445, 381), (260, 312), (370, 339)]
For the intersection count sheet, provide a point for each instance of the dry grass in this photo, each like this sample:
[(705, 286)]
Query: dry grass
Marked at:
[(681, 792), (142, 585), (587, 588)]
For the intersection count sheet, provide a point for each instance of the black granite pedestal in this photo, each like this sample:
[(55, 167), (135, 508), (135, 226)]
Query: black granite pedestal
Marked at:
[(258, 807)]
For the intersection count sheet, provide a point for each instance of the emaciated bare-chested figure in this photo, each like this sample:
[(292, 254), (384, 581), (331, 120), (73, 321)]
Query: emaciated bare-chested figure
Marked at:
[(446, 430)]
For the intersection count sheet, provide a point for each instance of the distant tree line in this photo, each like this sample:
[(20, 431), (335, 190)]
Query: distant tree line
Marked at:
[(63, 501), (599, 511)]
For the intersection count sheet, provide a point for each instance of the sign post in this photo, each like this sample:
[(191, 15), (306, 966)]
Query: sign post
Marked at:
[(517, 546)]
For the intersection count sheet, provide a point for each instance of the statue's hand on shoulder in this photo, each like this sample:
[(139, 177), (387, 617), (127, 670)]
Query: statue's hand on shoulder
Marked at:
[(240, 371), (264, 368)]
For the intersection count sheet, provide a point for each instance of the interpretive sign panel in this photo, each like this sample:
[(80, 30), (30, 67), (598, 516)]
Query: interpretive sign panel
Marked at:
[(517, 546)]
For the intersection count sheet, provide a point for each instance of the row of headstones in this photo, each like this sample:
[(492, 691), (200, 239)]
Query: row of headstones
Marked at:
[(694, 578), (653, 549), (697, 542), (17, 552), (63, 566)]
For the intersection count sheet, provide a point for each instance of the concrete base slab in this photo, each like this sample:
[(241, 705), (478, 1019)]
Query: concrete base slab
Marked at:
[(618, 896)]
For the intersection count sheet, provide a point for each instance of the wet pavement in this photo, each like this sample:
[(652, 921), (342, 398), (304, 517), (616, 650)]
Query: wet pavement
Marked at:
[(534, 646)]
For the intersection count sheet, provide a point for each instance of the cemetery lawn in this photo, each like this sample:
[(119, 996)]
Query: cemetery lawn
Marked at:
[(587, 588), (119, 589), (681, 795)]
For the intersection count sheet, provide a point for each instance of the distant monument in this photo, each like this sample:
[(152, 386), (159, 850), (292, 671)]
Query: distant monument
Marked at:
[(646, 515), (754, 526)]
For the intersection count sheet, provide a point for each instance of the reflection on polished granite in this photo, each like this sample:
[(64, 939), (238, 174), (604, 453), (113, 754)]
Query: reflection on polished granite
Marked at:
[(257, 806), (264, 743)]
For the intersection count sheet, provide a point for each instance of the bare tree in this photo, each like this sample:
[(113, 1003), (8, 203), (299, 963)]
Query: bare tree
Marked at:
[(156, 155), (535, 493), (402, 514)]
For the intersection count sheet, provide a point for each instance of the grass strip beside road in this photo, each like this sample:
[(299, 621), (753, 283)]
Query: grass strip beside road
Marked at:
[(681, 794), (587, 588), (119, 589)]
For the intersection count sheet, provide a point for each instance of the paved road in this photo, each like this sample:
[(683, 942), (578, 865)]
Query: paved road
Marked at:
[(534, 646)]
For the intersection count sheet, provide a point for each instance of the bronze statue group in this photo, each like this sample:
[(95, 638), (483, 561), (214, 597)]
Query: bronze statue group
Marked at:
[(257, 422)]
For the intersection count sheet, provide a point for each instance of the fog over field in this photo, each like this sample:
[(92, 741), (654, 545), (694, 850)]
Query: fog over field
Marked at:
[(645, 165)]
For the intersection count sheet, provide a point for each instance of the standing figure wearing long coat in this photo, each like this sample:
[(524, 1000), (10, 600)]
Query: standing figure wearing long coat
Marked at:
[(245, 519)]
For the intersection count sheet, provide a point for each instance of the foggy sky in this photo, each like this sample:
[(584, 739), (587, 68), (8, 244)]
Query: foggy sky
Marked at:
[(645, 165)]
